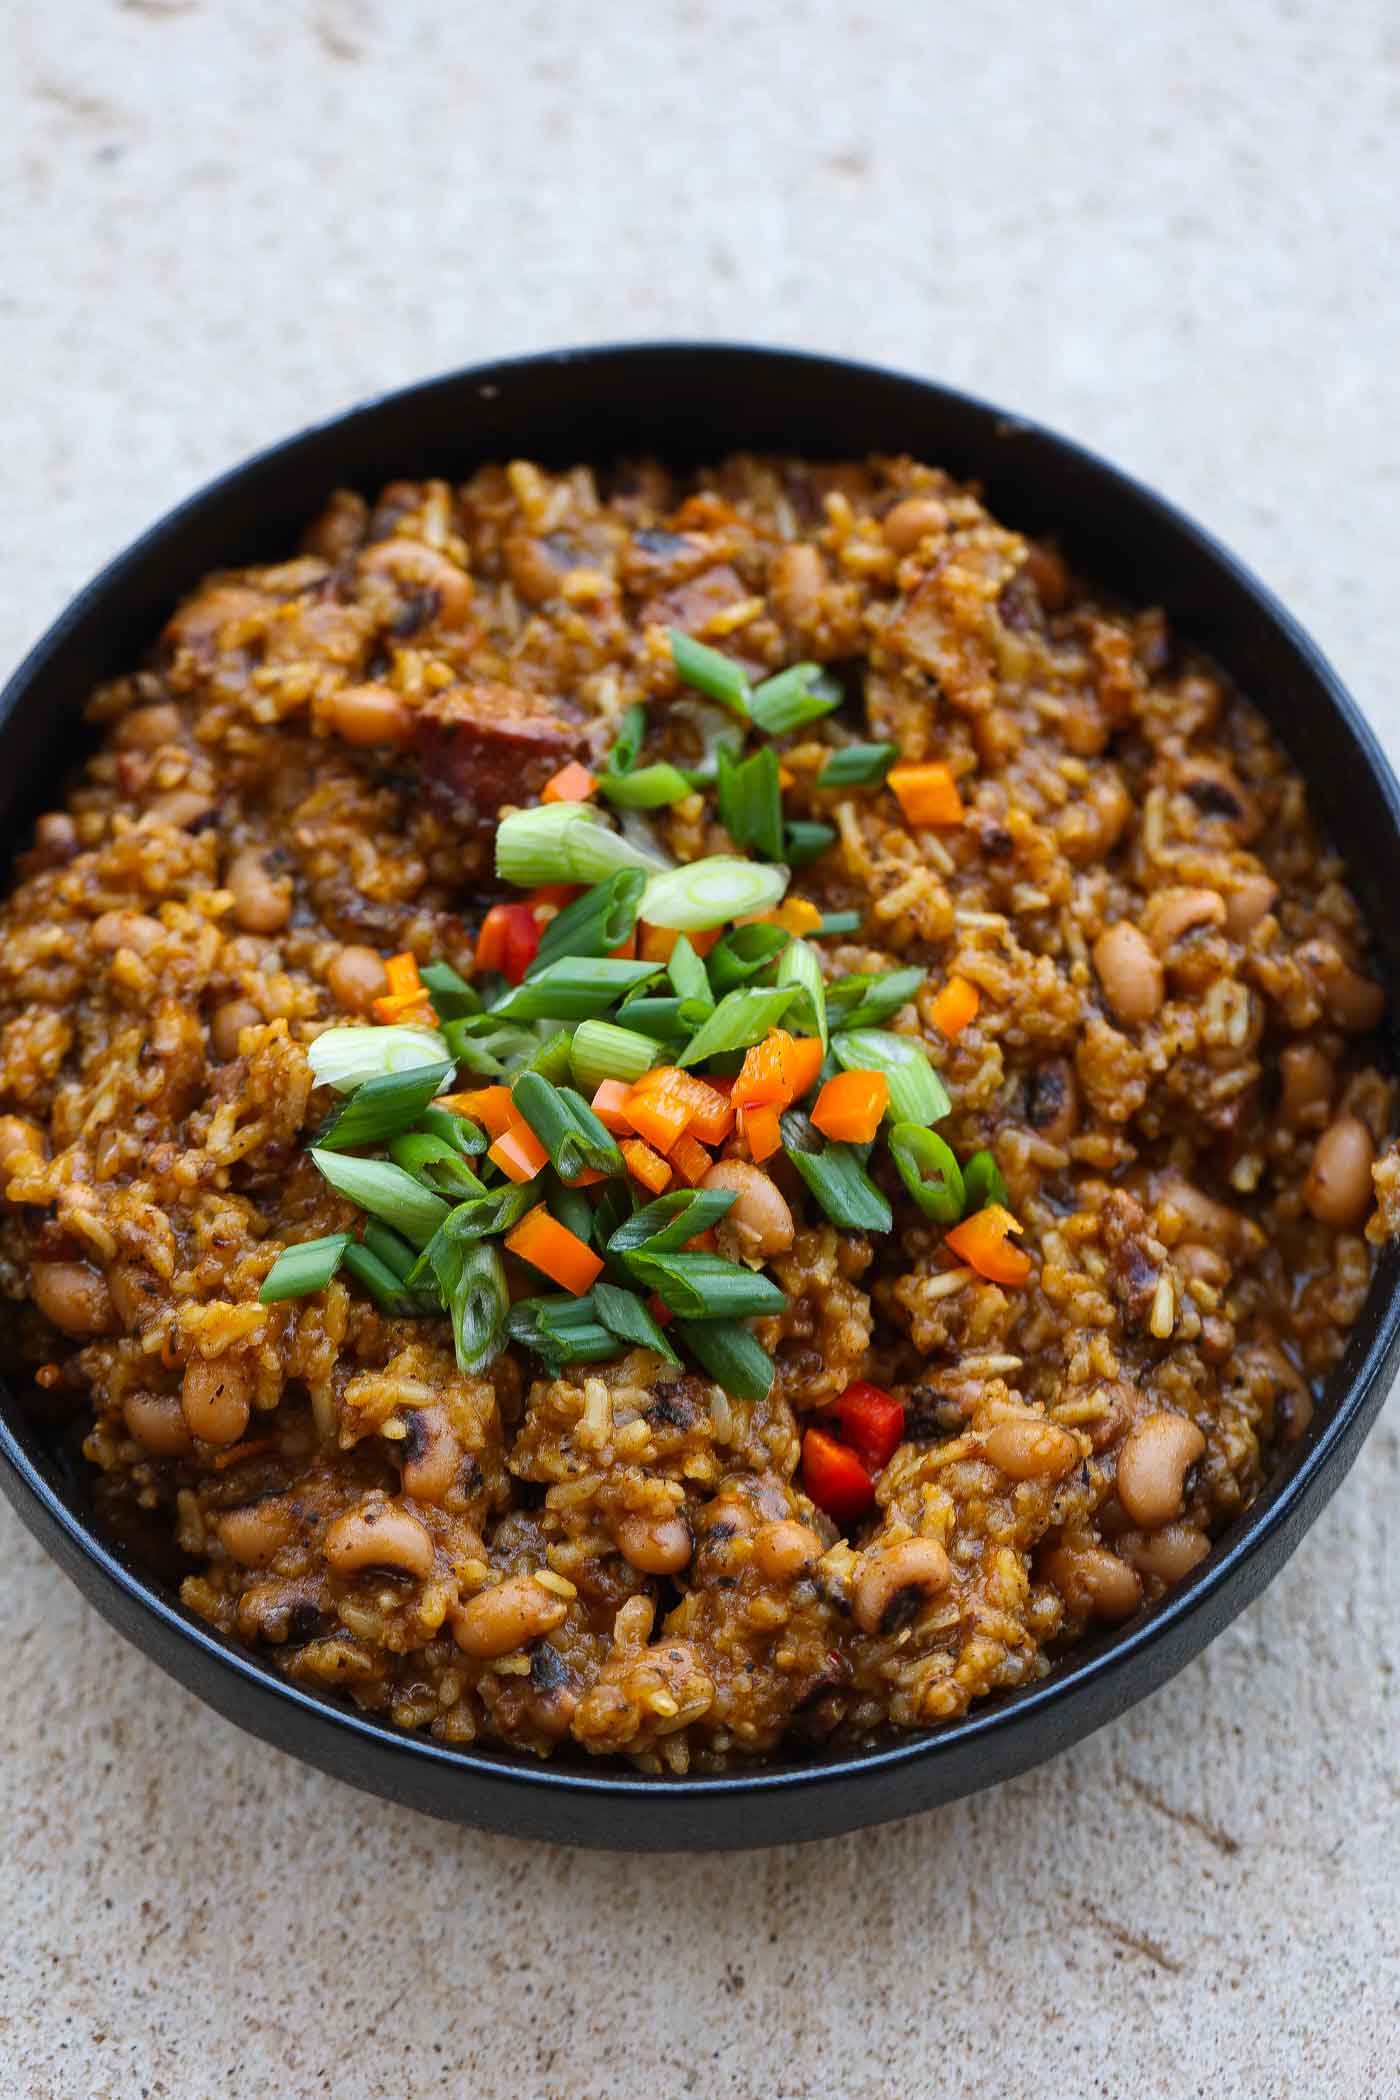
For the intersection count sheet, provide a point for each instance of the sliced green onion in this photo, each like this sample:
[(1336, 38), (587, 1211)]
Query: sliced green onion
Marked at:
[(690, 978), (601, 1050), (671, 1220), (751, 802), (435, 1161), (567, 1128), (386, 1246), (715, 728), (480, 1217), (718, 677), (706, 1287), (570, 1206), (489, 1048), (451, 995), (917, 1094), (650, 787), (376, 1277), (382, 1107), (983, 1184), (623, 1313), (839, 922), (858, 765), (472, 1279), (867, 999), (800, 966), (573, 989), (385, 1191), (835, 1177), (743, 953), (929, 1171), (561, 1331), (631, 735), (564, 842), (468, 1137), (711, 892), (662, 1019), (805, 839), (347, 1057), (551, 1060), (795, 696), (307, 1267), (741, 1018), (611, 1211), (595, 923), (731, 1356)]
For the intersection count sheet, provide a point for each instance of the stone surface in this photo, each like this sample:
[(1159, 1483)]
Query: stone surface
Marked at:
[(1171, 231)]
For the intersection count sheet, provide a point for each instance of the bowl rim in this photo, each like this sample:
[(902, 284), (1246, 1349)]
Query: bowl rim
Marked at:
[(1093, 1662)]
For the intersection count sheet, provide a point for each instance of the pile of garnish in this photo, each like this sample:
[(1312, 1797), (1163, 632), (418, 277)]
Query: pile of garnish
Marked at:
[(630, 1019)]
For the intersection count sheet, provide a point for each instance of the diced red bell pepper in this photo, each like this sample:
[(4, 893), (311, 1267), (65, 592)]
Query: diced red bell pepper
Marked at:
[(835, 1478), (872, 1422), (508, 941)]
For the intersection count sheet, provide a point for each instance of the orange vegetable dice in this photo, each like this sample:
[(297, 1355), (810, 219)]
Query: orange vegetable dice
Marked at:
[(657, 1115), (610, 1106), (690, 1160), (555, 1251), (955, 1006), (711, 1114), (490, 1106), (654, 943), (851, 1107), (644, 1165), (982, 1241), (518, 1153), (572, 783), (802, 1061), (405, 995), (762, 1132), (928, 794), (777, 1071)]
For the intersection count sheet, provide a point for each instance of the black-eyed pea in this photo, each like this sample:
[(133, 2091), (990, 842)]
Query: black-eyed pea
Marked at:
[(262, 901), (1201, 1264), (369, 714), (759, 1221), (1354, 1002), (506, 1617), (891, 1584), (781, 1550), (1158, 1453), (913, 520), (1027, 1447), (356, 978), (216, 1399), (654, 1545), (157, 1422), (186, 808), (1093, 1581), (797, 586), (1130, 973), (1052, 1107), (417, 567), (1170, 913), (1246, 903), (19, 1138), (73, 1296), (1338, 1188), (1168, 1554), (136, 930), (148, 728), (227, 1023), (256, 1534), (55, 839), (379, 1535), (1307, 1083), (432, 1456)]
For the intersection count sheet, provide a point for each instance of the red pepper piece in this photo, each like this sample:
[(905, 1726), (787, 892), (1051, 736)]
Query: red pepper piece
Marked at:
[(872, 1422), (835, 1478), (508, 941)]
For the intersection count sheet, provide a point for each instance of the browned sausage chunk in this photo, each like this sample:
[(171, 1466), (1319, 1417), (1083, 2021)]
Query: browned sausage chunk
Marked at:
[(482, 745)]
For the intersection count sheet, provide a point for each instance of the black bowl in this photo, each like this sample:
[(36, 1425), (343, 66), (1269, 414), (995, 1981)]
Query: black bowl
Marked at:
[(688, 402)]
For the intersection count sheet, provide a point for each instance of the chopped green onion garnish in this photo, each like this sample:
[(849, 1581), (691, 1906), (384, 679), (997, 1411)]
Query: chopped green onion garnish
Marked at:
[(386, 1246), (718, 677), (929, 1171), (376, 1277), (551, 1060), (601, 1050), (567, 1128), (437, 1162), (792, 698), (451, 995), (751, 802), (690, 978), (743, 953), (804, 840), (858, 765), (839, 922), (347, 1057), (705, 1287), (382, 1107), (731, 1356), (385, 1191), (595, 923), (624, 1314), (661, 1018), (490, 1048), (741, 1018), (649, 787), (864, 1001), (480, 1217), (835, 1177), (671, 1220), (631, 734), (565, 842), (300, 1270), (570, 1206), (983, 1184), (561, 1331), (917, 1094), (573, 989), (711, 892), (472, 1279), (460, 1131), (800, 966)]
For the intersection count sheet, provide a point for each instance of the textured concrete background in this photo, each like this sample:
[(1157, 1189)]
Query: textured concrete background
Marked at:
[(1171, 231)]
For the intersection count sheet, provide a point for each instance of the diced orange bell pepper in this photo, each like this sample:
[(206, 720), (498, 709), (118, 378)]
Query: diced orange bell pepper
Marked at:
[(955, 1006), (709, 1116), (610, 1106), (625, 951), (690, 1159), (762, 1132), (706, 1242), (555, 1251), (982, 1241), (795, 915), (490, 1106), (927, 794), (654, 943), (851, 1107), (518, 1153), (777, 1071), (657, 1115), (572, 783), (802, 1060), (406, 996), (644, 1165), (553, 895)]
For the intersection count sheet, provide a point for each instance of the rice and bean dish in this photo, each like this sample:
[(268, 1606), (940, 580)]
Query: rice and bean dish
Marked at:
[(681, 1117)]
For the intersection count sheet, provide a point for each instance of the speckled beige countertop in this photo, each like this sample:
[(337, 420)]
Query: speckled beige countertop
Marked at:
[(1171, 231)]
